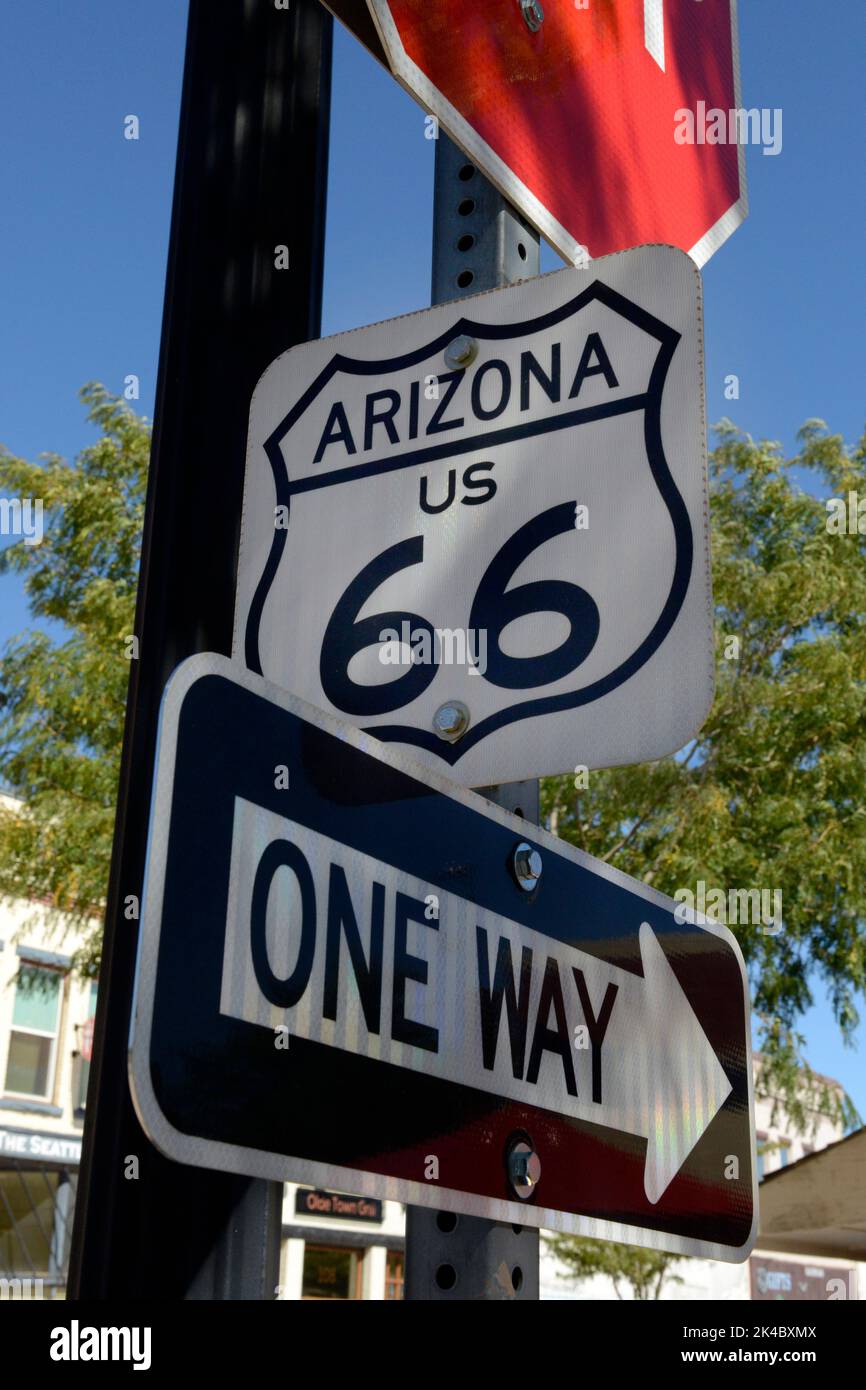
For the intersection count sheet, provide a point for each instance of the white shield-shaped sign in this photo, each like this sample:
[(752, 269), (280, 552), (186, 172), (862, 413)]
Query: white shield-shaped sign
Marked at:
[(480, 531)]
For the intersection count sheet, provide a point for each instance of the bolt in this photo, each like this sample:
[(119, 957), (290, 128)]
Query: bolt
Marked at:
[(461, 352), (524, 1169), (533, 14), (527, 866), (451, 720)]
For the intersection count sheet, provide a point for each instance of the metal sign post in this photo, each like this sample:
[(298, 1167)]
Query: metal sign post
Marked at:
[(480, 242), (244, 282)]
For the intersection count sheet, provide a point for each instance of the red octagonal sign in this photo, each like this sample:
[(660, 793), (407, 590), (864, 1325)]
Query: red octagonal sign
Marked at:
[(601, 120)]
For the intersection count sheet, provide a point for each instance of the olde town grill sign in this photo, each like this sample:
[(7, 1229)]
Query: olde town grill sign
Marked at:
[(314, 1201)]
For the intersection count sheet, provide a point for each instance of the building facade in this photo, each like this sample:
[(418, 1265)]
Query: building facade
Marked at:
[(46, 1032), (335, 1246), (766, 1274)]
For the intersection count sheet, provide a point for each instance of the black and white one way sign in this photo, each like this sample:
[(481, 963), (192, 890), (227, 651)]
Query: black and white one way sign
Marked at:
[(346, 968), (481, 530)]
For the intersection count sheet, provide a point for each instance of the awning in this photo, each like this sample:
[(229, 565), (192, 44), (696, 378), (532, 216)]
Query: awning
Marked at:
[(38, 1181), (817, 1206)]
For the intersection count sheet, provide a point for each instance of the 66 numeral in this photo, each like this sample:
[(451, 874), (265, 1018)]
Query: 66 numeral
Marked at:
[(493, 608)]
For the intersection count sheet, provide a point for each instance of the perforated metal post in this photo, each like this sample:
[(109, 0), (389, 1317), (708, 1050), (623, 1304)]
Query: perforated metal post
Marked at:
[(479, 243), (479, 240)]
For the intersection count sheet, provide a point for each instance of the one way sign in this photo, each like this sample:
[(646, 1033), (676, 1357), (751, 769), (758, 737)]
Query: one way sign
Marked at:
[(350, 966)]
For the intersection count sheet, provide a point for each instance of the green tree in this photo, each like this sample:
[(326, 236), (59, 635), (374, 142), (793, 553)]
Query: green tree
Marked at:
[(772, 790), (63, 697), (645, 1272), (769, 794)]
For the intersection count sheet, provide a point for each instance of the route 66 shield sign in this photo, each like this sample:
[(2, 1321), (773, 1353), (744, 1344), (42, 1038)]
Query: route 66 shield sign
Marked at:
[(481, 531)]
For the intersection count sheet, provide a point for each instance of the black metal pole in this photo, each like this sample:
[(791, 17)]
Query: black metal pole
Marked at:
[(251, 178), (480, 242)]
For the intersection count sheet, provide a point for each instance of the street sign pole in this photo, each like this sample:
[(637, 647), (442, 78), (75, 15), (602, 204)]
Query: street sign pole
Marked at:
[(244, 282), (480, 242)]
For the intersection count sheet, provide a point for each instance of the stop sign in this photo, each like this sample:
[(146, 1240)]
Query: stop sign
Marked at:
[(575, 109)]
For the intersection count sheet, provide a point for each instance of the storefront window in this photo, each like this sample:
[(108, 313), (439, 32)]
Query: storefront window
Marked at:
[(35, 1222), (394, 1275), (33, 1038), (330, 1273)]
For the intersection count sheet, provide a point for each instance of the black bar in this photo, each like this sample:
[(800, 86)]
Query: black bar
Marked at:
[(251, 175)]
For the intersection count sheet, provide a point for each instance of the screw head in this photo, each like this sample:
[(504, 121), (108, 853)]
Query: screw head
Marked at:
[(462, 352), (524, 1169), (451, 720), (527, 866), (533, 14)]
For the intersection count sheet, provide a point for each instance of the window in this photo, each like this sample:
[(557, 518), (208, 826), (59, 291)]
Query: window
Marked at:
[(394, 1274), (84, 1046), (33, 1038), (331, 1273), (36, 1206), (784, 1152)]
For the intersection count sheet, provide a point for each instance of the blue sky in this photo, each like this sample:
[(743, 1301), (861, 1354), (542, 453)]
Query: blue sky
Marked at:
[(84, 218)]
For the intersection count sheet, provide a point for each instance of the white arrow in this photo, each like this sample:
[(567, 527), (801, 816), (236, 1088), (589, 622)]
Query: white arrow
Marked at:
[(656, 1073), (686, 1085)]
